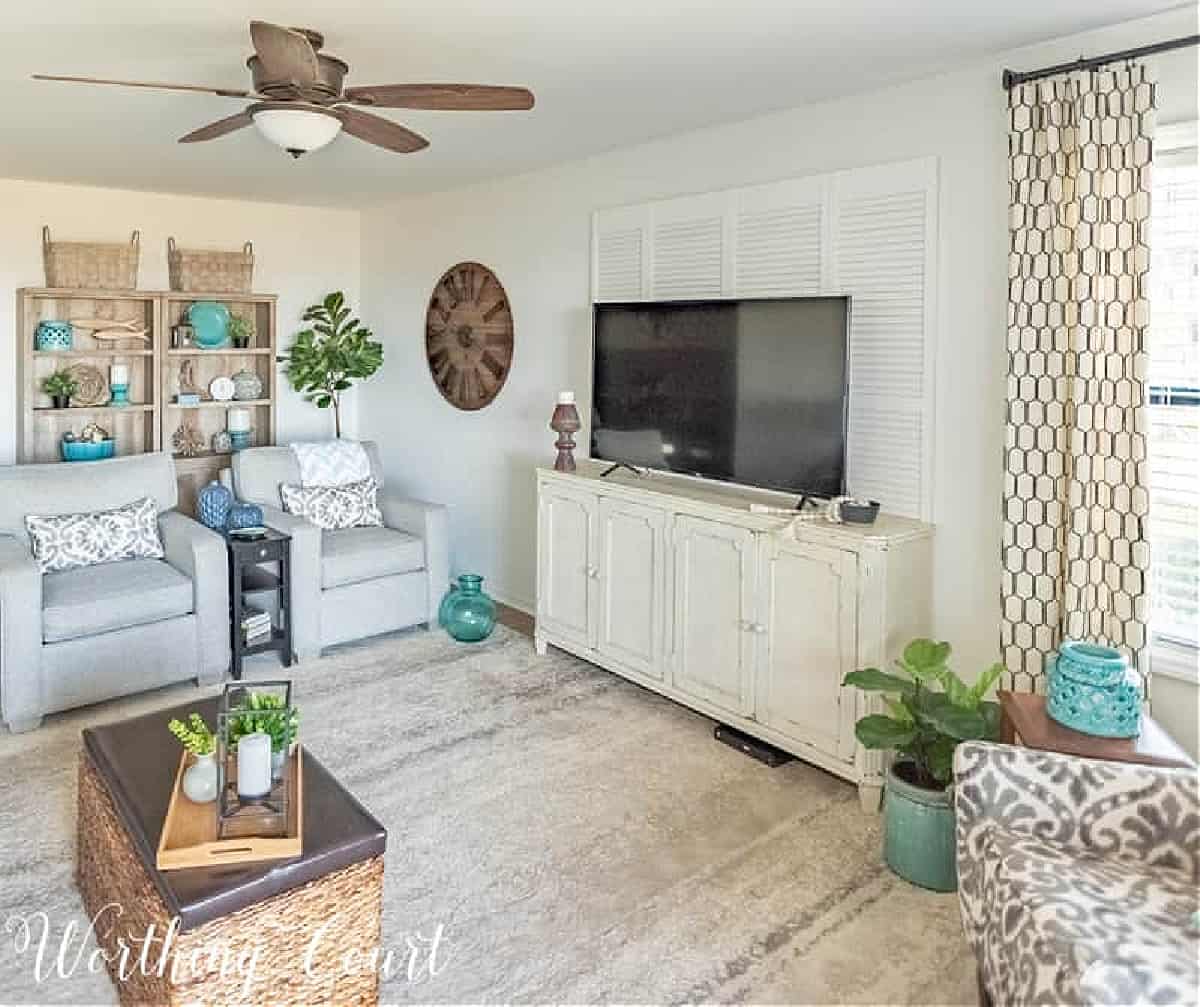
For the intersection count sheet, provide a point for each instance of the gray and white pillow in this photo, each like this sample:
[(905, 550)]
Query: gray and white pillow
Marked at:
[(66, 541), (335, 507)]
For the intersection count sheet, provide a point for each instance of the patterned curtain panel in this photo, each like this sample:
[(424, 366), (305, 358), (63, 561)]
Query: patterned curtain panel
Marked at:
[(1075, 551)]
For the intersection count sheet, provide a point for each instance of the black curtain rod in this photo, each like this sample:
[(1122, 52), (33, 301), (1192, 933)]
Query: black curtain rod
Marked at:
[(1011, 78)]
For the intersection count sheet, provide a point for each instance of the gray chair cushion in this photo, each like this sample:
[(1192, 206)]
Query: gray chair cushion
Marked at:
[(110, 596), (357, 554)]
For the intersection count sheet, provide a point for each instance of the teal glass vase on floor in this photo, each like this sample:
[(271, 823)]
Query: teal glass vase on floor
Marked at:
[(467, 613)]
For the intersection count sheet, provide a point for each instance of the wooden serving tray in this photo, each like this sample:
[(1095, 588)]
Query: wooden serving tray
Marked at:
[(189, 832)]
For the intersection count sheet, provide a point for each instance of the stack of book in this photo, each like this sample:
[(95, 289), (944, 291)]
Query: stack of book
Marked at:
[(256, 626)]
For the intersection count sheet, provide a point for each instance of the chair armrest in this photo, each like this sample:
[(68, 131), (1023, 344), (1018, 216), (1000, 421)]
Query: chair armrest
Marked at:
[(429, 522), (1115, 810), (305, 561), (20, 633), (200, 553)]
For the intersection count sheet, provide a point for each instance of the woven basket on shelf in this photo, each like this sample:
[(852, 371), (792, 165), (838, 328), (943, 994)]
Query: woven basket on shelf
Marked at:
[(90, 265), (201, 270)]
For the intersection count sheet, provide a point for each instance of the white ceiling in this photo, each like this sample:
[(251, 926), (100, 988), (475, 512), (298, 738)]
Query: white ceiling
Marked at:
[(607, 73)]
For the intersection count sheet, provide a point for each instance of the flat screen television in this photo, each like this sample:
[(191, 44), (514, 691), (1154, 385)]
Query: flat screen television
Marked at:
[(748, 391)]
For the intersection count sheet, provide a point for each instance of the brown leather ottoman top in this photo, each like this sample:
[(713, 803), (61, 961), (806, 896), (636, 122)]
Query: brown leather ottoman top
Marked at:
[(138, 759)]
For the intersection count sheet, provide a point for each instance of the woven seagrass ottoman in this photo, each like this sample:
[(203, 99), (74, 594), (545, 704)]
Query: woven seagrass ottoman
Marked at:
[(299, 931)]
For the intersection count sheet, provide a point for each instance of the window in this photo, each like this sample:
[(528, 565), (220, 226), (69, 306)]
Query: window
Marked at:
[(1174, 409)]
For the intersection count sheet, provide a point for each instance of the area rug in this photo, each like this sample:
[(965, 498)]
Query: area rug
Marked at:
[(562, 834)]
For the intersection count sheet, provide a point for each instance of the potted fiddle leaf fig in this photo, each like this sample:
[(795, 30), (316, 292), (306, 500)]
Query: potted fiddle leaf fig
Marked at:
[(336, 350), (929, 711)]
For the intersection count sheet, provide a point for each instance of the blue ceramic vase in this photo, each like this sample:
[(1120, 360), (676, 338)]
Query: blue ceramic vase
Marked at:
[(213, 504), (466, 613), (1091, 689), (244, 515)]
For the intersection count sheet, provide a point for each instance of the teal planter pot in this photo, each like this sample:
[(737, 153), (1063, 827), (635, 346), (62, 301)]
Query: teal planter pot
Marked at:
[(918, 834), (466, 613)]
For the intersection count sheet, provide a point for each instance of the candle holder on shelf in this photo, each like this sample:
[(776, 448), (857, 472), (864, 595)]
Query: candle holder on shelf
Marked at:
[(118, 384), (565, 422), (256, 733)]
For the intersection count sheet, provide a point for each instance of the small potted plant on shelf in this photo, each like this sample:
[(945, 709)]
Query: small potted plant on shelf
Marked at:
[(60, 386), (930, 710), (241, 331), (200, 778)]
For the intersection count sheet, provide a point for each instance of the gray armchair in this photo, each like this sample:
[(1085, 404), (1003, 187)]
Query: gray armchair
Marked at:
[(1077, 879), (84, 635), (356, 582)]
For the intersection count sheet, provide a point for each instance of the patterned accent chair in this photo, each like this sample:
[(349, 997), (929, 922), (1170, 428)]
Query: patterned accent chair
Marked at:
[(357, 582), (92, 633), (1077, 878)]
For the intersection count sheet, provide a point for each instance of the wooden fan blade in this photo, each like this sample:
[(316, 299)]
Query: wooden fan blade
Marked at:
[(444, 97), (222, 92), (283, 53), (218, 128), (381, 132)]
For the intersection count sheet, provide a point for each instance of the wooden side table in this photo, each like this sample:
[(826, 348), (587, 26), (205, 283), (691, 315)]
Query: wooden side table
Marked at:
[(247, 574), (1024, 720)]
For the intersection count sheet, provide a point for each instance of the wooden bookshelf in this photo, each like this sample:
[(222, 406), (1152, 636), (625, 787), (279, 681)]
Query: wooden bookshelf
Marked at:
[(154, 416)]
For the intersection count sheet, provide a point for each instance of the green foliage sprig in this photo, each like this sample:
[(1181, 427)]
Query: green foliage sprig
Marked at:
[(241, 330), (930, 710), (264, 712), (60, 383), (325, 359), (194, 735)]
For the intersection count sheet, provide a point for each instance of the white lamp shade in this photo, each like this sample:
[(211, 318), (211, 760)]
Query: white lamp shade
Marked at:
[(297, 128)]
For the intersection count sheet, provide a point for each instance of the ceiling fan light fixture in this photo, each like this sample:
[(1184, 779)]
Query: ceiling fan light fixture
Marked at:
[(296, 130)]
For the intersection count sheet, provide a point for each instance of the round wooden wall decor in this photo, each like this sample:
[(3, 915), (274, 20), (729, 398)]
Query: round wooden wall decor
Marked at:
[(469, 335)]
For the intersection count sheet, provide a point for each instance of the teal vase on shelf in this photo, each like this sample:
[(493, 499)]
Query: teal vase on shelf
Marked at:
[(467, 613)]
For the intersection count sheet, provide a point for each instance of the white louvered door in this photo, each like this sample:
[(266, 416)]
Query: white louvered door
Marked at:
[(869, 233), (883, 229), (689, 248), (779, 240)]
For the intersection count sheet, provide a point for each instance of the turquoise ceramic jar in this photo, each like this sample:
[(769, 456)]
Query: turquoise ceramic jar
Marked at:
[(918, 834), (466, 613), (52, 335), (1090, 688)]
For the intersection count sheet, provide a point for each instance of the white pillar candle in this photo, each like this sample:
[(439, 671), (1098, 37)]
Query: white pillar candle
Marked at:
[(566, 398), (118, 374), (254, 766), (237, 420)]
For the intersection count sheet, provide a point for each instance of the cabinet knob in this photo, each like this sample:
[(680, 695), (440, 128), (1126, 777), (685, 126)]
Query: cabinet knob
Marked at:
[(593, 572), (760, 628)]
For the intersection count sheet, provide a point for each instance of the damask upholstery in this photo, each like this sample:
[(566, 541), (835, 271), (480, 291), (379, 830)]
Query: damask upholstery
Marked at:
[(357, 554), (70, 541), (333, 508), (1078, 878), (86, 635), (333, 599)]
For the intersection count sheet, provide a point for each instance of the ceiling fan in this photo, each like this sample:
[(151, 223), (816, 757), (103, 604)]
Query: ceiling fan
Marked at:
[(300, 103)]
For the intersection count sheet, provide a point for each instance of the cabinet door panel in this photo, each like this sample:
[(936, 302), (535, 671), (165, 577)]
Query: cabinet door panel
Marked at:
[(565, 583), (810, 612), (714, 588), (631, 570)]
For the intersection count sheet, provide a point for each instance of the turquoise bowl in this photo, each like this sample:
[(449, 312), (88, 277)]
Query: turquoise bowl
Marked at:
[(210, 324), (51, 335), (87, 451), (1090, 689)]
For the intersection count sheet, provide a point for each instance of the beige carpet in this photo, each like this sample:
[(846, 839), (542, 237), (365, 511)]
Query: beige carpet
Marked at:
[(578, 838)]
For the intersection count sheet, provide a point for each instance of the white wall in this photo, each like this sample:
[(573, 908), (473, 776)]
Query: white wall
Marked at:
[(534, 232), (301, 254)]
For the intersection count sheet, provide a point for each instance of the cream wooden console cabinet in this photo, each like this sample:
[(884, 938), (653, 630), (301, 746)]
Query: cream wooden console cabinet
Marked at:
[(747, 617)]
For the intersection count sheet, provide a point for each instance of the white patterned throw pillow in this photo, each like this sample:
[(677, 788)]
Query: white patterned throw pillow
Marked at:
[(334, 507), (65, 541), (331, 463)]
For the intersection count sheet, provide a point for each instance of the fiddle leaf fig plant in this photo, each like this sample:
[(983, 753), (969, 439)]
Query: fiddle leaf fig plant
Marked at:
[(930, 710), (335, 350)]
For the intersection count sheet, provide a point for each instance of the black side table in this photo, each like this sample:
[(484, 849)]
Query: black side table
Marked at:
[(245, 574)]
